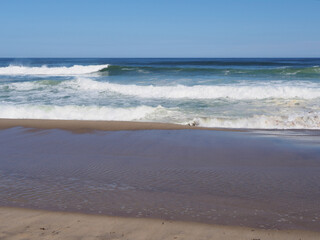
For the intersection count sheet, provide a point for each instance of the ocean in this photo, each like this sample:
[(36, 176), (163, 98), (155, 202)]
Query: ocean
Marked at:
[(258, 93)]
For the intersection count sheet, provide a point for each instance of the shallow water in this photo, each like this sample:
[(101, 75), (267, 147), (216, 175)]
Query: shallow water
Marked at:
[(265, 180)]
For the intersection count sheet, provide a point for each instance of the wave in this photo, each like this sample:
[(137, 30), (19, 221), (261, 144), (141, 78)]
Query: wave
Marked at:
[(294, 121), (294, 90), (77, 112), (113, 70), (54, 71), (200, 91), (238, 61), (310, 120)]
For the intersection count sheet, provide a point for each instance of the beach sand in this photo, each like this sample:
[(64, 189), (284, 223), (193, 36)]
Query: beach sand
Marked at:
[(122, 184), (34, 224), (87, 126)]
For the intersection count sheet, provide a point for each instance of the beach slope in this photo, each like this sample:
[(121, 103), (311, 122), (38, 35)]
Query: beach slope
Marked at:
[(34, 224)]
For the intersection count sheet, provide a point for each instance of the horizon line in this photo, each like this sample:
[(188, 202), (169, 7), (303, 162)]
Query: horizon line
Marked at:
[(165, 57)]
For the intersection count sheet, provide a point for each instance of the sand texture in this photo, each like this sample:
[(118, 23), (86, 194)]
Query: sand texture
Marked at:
[(34, 224), (87, 126)]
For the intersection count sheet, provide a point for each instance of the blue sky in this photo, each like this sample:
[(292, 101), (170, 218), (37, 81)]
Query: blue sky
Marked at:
[(166, 28)]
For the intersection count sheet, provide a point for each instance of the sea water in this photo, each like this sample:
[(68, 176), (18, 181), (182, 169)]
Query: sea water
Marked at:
[(227, 93)]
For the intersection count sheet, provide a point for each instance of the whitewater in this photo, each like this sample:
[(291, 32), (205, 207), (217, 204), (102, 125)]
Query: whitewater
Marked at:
[(224, 93), (45, 70)]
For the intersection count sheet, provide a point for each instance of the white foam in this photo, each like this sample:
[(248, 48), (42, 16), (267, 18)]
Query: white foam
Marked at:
[(54, 71), (235, 91), (309, 120), (76, 112), (294, 121), (202, 92)]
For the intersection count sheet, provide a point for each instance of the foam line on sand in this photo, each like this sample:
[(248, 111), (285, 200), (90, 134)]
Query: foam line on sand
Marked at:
[(87, 126)]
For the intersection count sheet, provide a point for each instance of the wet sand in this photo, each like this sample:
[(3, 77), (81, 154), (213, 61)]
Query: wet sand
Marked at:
[(265, 180), (34, 224), (87, 126)]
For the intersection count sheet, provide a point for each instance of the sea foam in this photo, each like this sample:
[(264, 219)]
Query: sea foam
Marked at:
[(293, 121), (143, 113), (76, 112), (53, 71), (240, 91)]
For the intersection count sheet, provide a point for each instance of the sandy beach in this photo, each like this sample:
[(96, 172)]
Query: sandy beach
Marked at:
[(159, 120), (200, 178), (16, 224), (87, 126)]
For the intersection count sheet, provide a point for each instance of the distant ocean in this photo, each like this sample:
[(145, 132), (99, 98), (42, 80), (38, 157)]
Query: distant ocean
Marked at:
[(227, 93)]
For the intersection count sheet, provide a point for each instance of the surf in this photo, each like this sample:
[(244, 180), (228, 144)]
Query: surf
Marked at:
[(239, 91), (309, 120), (73, 112), (53, 71)]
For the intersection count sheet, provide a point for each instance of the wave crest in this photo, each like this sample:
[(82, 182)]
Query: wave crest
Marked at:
[(294, 121), (53, 71), (77, 112), (200, 91), (310, 120)]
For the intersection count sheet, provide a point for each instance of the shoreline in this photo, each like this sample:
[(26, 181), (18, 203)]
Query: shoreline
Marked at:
[(21, 223), (92, 125), (213, 178), (83, 126)]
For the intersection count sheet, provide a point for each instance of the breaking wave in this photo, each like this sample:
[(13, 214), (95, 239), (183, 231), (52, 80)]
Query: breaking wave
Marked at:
[(294, 121), (77, 112), (53, 71), (310, 120), (201, 91), (310, 71)]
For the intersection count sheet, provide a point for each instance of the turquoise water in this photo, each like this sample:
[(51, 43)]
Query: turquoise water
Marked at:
[(232, 93)]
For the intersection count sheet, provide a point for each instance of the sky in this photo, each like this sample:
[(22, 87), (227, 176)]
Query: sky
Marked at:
[(163, 28)]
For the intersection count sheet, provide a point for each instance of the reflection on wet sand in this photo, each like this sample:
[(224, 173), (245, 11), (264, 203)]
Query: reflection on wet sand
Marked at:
[(232, 178)]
